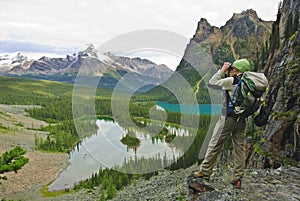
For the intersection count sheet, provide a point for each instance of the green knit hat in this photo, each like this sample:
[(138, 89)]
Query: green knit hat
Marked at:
[(242, 65)]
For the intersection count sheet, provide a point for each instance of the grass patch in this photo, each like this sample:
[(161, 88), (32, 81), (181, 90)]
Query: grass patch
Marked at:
[(4, 129), (290, 161), (20, 124), (106, 117), (45, 193)]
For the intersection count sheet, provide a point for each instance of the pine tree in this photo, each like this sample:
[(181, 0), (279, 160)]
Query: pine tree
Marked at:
[(13, 160), (102, 195), (111, 189)]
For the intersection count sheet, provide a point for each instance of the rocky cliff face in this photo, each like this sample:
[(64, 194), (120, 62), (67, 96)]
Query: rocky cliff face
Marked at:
[(283, 70)]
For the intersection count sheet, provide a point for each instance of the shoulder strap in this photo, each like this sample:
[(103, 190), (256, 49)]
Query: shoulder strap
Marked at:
[(230, 108)]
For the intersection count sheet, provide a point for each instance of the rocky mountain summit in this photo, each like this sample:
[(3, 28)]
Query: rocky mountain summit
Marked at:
[(242, 36), (88, 62), (142, 66), (245, 24)]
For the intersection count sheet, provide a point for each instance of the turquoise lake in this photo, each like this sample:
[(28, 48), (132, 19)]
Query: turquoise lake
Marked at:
[(205, 109)]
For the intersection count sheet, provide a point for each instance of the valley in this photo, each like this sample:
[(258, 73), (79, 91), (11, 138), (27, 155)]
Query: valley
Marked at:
[(46, 130), (70, 115)]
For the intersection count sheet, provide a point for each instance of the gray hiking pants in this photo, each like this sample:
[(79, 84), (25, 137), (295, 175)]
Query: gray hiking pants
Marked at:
[(224, 128)]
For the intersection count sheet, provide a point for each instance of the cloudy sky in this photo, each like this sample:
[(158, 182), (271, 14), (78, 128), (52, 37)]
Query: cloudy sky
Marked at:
[(71, 24)]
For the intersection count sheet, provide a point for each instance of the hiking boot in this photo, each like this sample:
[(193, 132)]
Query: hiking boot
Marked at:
[(199, 184), (198, 174), (236, 183)]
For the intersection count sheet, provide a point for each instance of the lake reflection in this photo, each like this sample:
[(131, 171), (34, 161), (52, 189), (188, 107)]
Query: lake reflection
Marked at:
[(104, 149)]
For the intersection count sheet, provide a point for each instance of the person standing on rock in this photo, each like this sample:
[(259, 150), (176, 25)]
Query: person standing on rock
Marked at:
[(226, 79)]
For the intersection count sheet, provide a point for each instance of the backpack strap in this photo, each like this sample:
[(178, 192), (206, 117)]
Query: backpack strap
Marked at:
[(231, 103), (226, 104)]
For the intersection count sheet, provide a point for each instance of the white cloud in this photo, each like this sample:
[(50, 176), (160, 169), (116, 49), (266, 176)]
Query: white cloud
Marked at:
[(73, 23)]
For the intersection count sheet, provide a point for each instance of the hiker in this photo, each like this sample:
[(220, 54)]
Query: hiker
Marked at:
[(230, 123)]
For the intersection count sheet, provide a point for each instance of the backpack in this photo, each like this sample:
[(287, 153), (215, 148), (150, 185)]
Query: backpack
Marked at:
[(246, 99), (262, 117)]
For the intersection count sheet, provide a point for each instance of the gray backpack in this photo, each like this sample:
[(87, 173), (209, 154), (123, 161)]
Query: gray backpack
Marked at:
[(248, 94)]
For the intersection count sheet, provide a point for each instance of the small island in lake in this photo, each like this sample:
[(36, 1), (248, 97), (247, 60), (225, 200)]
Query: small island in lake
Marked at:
[(131, 141)]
